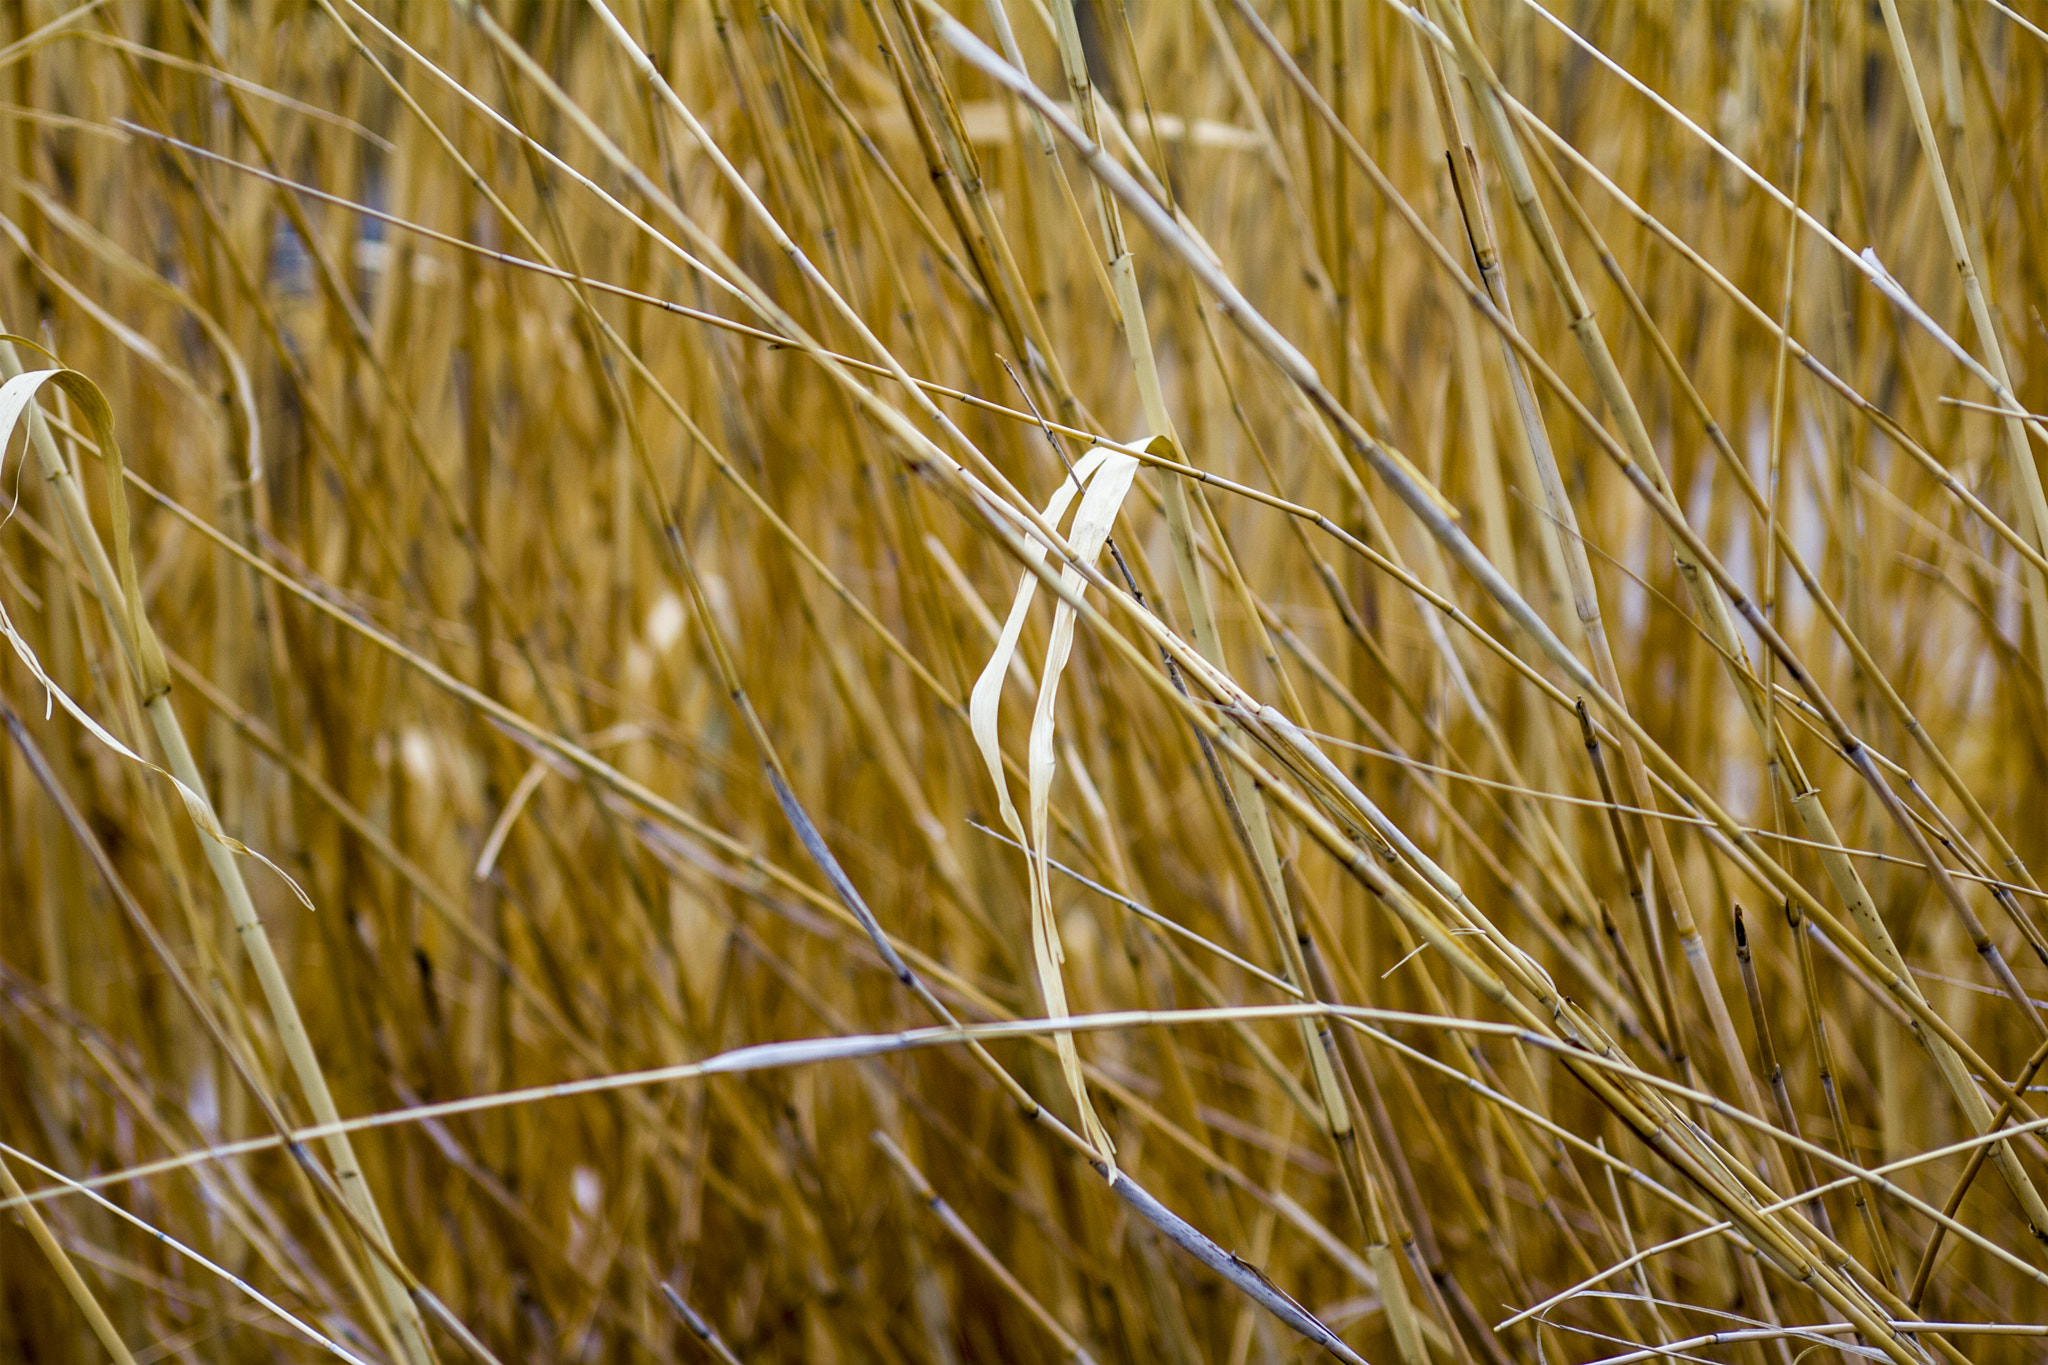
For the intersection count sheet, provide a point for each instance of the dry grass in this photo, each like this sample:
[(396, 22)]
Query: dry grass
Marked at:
[(1536, 837)]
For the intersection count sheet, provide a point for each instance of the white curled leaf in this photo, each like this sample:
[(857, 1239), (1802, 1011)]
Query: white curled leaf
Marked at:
[(1107, 475), (985, 702)]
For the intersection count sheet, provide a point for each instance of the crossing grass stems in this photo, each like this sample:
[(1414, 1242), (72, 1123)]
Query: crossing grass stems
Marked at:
[(912, 682)]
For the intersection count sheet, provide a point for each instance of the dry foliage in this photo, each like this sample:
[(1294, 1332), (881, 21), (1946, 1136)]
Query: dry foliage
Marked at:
[(571, 731)]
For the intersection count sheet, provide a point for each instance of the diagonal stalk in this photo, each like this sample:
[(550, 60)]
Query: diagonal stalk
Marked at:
[(145, 658)]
